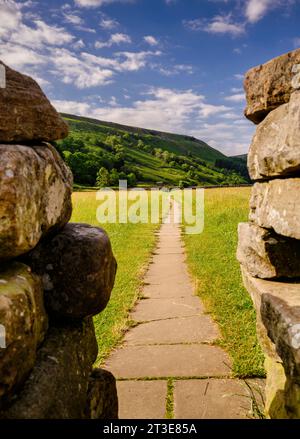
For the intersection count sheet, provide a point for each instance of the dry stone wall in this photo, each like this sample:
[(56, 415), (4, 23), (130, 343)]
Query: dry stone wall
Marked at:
[(54, 275), (269, 245)]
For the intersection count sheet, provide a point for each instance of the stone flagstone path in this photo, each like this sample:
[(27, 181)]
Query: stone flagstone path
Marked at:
[(169, 365)]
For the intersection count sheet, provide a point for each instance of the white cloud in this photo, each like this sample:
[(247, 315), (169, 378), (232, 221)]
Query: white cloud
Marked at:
[(230, 116), (113, 102), (41, 34), (10, 17), (208, 110), (238, 76), (237, 89), (97, 3), (124, 61), (79, 44), (135, 60), (237, 50), (220, 24), (174, 111), (87, 70), (226, 139), (79, 108), (173, 70), (73, 19), (14, 30), (152, 41), (108, 23), (74, 70), (256, 9), (117, 38), (19, 57), (57, 51), (162, 108), (236, 98)]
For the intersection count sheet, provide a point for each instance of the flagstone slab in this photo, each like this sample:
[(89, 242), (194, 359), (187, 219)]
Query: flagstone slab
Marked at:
[(167, 273), (193, 329), (155, 309), (142, 399), (169, 361), (167, 290), (169, 250), (214, 399)]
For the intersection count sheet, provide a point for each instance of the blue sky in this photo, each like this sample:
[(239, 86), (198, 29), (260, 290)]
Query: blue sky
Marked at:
[(172, 65)]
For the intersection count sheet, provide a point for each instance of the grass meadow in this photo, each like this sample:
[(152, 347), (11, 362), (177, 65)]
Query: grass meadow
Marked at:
[(212, 262), (211, 257), (132, 246)]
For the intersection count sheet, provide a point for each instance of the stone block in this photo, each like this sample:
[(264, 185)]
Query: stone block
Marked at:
[(275, 205), (78, 270), (274, 151), (26, 115), (271, 84), (58, 384), (35, 194), (267, 255), (24, 323), (102, 397)]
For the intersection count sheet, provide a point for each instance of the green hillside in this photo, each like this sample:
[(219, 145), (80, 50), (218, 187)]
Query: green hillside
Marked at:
[(242, 157), (100, 153)]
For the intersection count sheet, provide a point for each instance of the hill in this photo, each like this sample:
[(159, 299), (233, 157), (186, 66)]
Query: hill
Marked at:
[(142, 156), (242, 157)]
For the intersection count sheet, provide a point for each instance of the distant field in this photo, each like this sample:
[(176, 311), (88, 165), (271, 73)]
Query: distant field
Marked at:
[(212, 260), (132, 245)]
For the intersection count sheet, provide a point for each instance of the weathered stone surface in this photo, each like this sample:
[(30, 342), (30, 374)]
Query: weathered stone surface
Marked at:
[(102, 397), (35, 196), (161, 361), (142, 399), (292, 398), (278, 313), (281, 316), (78, 270), (282, 392), (157, 309), (278, 303), (275, 205), (26, 114), (284, 296), (267, 255), (270, 85), (275, 147), (57, 386), (216, 398), (275, 389), (193, 329), (24, 320)]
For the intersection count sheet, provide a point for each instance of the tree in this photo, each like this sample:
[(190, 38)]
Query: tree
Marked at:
[(126, 136), (103, 178), (131, 179), (140, 144), (182, 184), (166, 156), (114, 177)]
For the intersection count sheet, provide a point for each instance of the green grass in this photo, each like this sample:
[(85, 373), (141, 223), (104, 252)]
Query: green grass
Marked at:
[(212, 260), (170, 399), (132, 246)]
